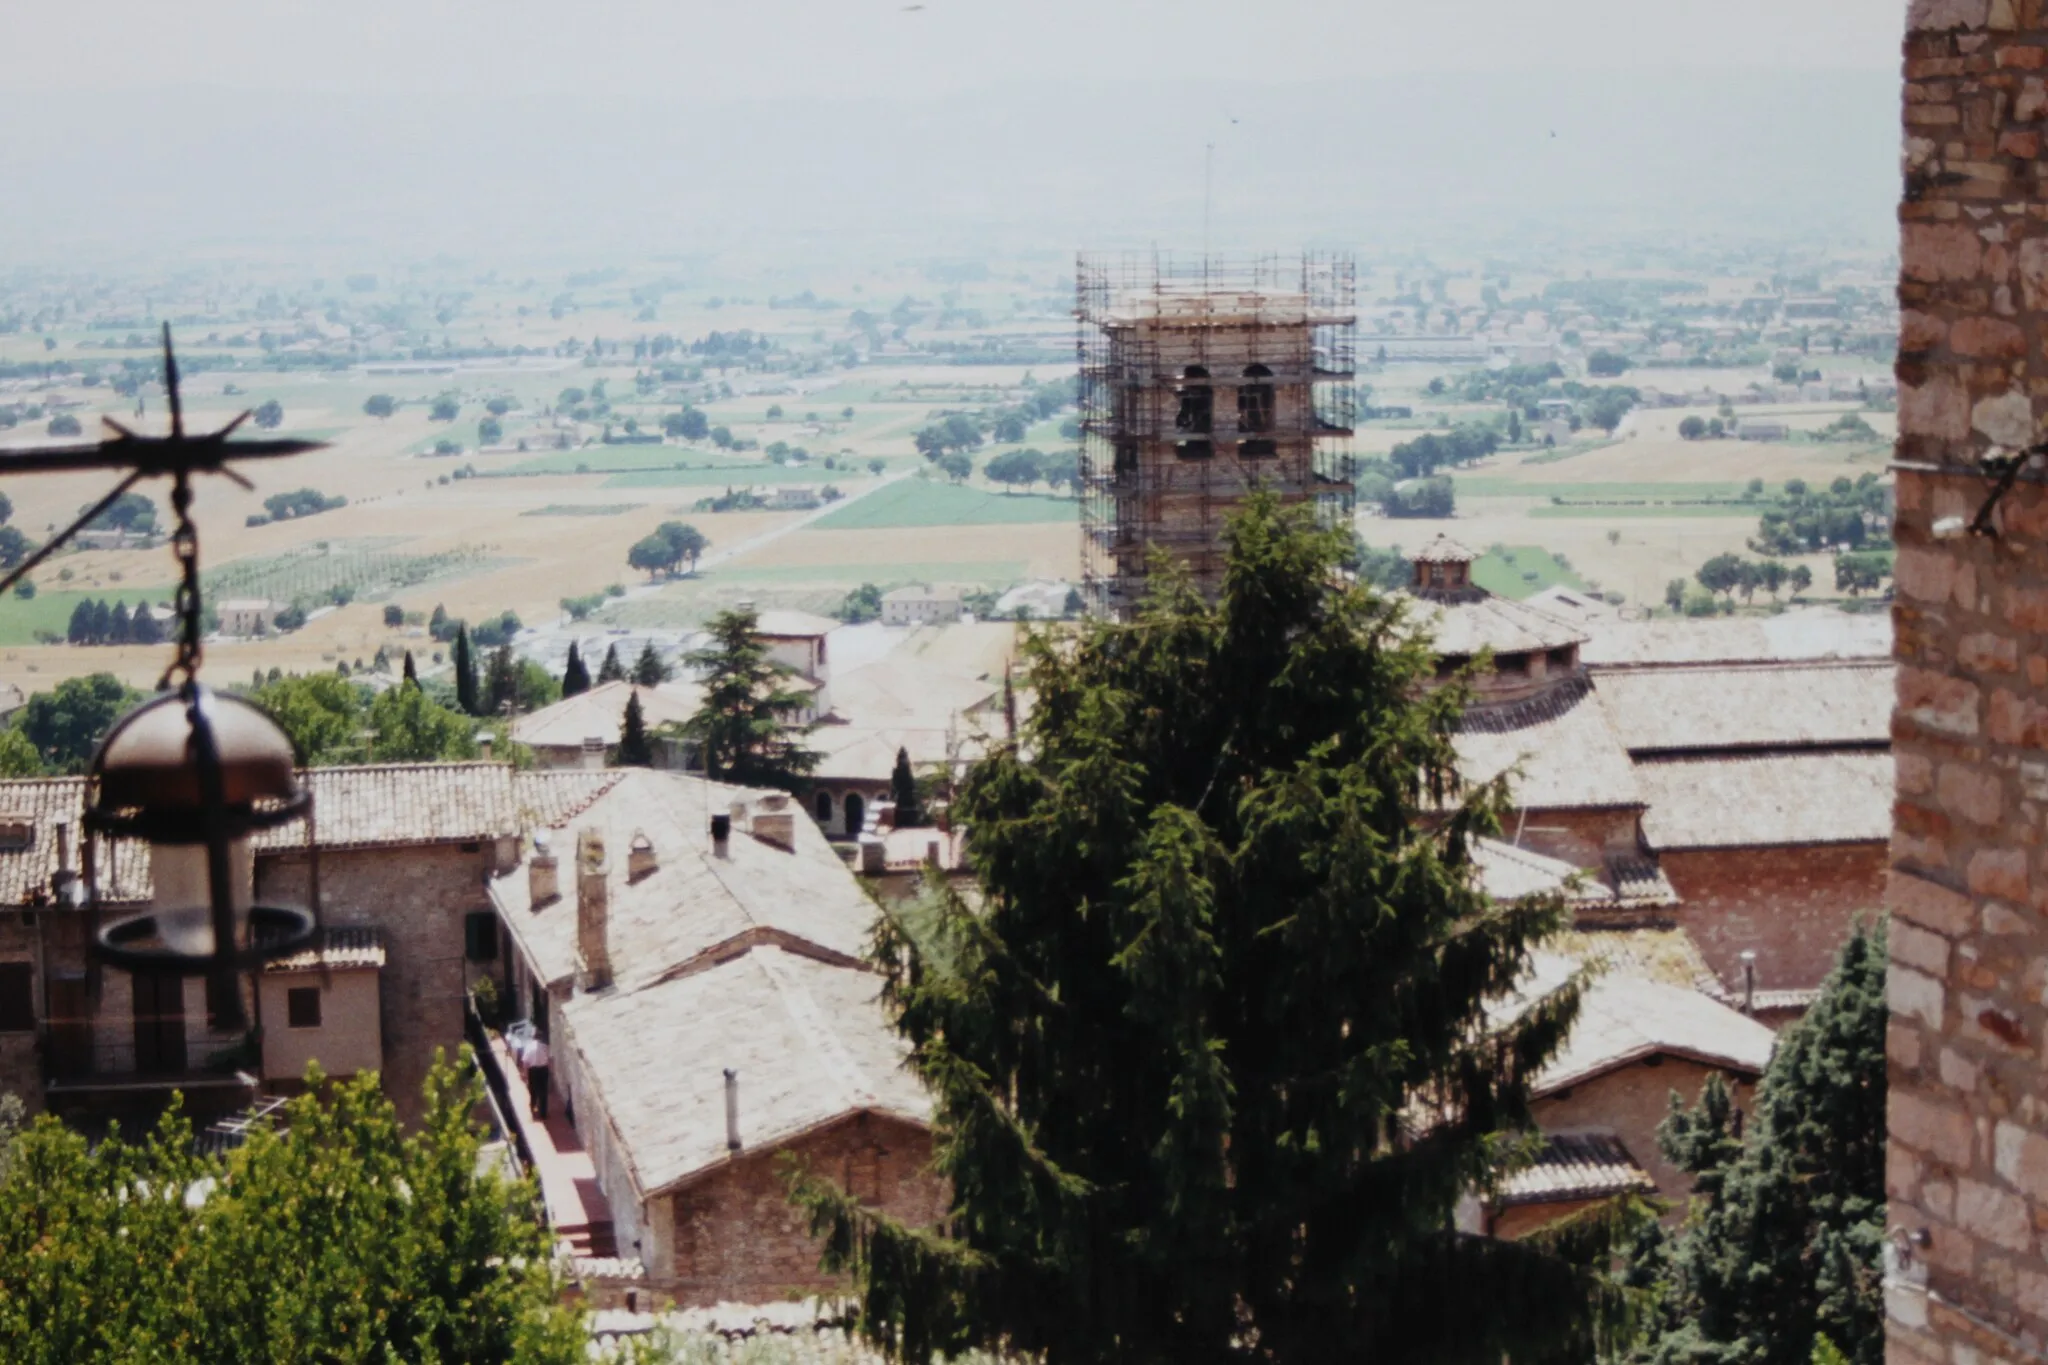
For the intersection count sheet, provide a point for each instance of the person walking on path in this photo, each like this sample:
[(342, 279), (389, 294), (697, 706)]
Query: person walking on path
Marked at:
[(535, 1058)]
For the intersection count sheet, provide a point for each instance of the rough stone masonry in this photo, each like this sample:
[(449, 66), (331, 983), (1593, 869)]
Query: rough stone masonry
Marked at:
[(1966, 1275)]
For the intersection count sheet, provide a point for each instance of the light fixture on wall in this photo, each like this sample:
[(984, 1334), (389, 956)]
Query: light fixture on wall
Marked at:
[(193, 774)]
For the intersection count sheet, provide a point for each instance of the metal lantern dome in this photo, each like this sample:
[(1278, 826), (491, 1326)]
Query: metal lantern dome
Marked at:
[(193, 774), (196, 775)]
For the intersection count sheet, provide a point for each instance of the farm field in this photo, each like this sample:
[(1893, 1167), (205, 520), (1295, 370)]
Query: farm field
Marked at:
[(923, 502)]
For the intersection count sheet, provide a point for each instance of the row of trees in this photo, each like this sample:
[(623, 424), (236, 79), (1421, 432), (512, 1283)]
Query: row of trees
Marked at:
[(1061, 469), (1728, 574), (1848, 514), (94, 622)]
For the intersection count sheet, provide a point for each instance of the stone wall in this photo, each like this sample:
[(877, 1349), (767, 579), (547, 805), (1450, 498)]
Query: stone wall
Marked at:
[(1967, 1280), (1792, 907), (417, 896), (734, 1236)]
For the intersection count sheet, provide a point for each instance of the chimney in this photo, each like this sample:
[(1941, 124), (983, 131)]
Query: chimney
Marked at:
[(543, 879), (66, 873), (1748, 981), (483, 745), (640, 859), (721, 836), (594, 747), (774, 821), (732, 1110), (874, 854), (593, 910)]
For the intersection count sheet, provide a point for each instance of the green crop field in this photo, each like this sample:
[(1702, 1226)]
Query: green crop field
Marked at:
[(50, 612), (583, 509), (720, 476), (1519, 570), (1481, 486), (924, 502), (617, 459), (1604, 511)]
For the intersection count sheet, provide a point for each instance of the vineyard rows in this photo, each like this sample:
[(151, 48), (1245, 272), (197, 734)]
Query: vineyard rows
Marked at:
[(314, 573)]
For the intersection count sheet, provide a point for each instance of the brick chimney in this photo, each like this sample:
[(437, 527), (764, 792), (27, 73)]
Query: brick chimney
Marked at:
[(543, 875), (774, 821), (640, 859), (593, 910)]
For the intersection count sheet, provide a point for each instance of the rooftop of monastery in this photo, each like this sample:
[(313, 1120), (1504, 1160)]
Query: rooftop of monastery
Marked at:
[(600, 712), (1768, 800), (1563, 746), (691, 907), (1799, 633), (1750, 706), (807, 1039), (1625, 1018)]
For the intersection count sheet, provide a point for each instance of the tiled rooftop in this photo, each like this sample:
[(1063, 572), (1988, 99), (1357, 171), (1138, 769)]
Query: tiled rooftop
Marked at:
[(1779, 800), (1574, 1167)]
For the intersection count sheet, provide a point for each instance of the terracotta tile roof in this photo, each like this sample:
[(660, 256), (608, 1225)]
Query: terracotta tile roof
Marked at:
[(1625, 1018), (353, 808), (1773, 801), (1803, 633), (809, 1042), (1573, 1167), (1443, 550), (1569, 754), (1467, 623), (30, 811), (692, 903), (1750, 706), (600, 712), (778, 624), (338, 949), (1508, 873)]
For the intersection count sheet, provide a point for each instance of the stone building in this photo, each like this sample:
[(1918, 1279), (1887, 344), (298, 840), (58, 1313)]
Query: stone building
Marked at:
[(707, 1010), (404, 851), (582, 731), (1966, 1264), (1199, 382)]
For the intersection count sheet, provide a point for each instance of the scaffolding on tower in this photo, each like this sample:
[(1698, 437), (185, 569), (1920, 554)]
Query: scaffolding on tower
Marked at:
[(1200, 380)]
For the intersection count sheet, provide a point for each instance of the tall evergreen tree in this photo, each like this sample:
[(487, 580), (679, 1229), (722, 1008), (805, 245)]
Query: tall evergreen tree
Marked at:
[(575, 677), (648, 669), (465, 673), (501, 682), (1787, 1245), (610, 670), (117, 625), (903, 789), (412, 673), (1211, 1056), (635, 750), (744, 726), (102, 622), (79, 632), (143, 627)]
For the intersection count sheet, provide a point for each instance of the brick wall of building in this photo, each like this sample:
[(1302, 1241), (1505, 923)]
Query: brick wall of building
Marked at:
[(1630, 1102), (1792, 907), (417, 897), (1967, 1278), (1583, 838), (735, 1236)]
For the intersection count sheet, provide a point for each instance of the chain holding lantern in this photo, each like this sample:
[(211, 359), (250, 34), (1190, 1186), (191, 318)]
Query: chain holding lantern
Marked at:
[(194, 774)]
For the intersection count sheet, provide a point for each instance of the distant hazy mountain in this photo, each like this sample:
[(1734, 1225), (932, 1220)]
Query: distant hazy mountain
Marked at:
[(1424, 160)]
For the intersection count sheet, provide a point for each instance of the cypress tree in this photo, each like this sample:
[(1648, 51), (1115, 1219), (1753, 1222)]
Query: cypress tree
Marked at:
[(79, 632), (465, 673), (743, 726), (903, 788), (575, 677), (118, 631), (412, 674), (102, 622), (609, 670), (501, 681), (1788, 1245), (1210, 1053), (635, 750), (143, 627), (648, 669)]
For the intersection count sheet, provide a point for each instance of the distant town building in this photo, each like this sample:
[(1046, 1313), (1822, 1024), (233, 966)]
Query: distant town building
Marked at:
[(919, 605), (246, 615), (1762, 429), (583, 730), (793, 497)]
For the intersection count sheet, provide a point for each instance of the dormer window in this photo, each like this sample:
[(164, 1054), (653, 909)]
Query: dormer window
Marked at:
[(16, 835)]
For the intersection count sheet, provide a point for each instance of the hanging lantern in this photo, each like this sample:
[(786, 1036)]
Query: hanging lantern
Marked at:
[(193, 774), (196, 776)]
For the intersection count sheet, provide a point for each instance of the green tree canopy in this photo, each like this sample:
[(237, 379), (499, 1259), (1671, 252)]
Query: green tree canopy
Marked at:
[(380, 405), (18, 757), (611, 670), (65, 724), (323, 713), (270, 415), (903, 790), (1212, 1059), (650, 669), (466, 695), (1787, 1243), (341, 1237), (745, 725), (412, 728)]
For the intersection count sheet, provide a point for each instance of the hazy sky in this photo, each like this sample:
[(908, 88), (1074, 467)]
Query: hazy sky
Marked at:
[(846, 47)]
